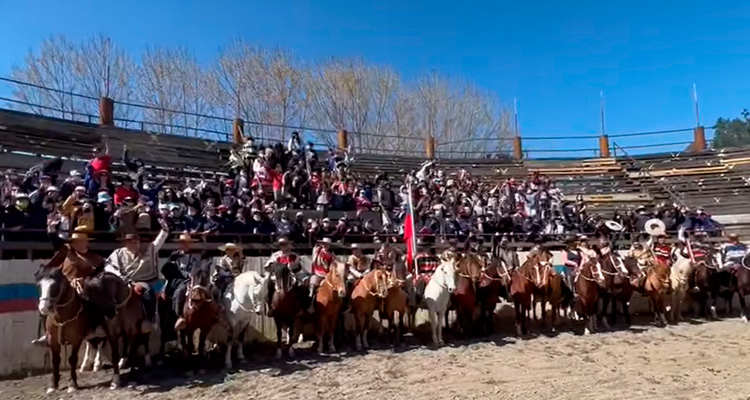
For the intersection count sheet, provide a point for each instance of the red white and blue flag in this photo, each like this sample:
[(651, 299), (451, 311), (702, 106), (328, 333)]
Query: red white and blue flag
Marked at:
[(410, 233)]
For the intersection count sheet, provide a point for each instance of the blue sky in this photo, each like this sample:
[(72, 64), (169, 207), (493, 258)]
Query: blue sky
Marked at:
[(555, 56)]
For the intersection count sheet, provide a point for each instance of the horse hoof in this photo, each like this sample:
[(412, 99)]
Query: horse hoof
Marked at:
[(72, 389), (50, 390), (320, 349), (586, 332), (279, 354), (123, 363), (332, 348), (228, 365), (744, 318), (291, 352), (113, 386), (147, 360)]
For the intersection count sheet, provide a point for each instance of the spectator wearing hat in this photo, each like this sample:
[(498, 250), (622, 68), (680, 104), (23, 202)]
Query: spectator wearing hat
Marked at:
[(136, 263), (21, 215), (125, 189)]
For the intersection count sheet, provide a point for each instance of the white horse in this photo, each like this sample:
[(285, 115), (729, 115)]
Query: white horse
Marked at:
[(678, 276), (436, 296), (243, 299)]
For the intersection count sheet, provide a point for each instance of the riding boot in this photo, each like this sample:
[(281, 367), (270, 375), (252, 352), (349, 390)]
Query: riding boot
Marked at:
[(313, 292)]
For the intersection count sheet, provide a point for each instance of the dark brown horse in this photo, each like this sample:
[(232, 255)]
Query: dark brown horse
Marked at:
[(525, 280), (588, 282), (285, 306), (494, 281), (200, 312), (69, 321), (464, 299), (617, 289), (329, 298)]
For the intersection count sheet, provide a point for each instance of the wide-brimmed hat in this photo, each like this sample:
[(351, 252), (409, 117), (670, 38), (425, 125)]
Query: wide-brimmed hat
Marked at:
[(131, 236), (230, 246), (21, 196), (185, 237), (52, 189), (325, 240), (79, 233), (283, 240), (355, 246), (103, 197)]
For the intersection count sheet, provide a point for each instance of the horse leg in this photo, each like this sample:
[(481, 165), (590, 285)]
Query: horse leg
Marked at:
[(279, 352), (88, 359), (613, 315), (115, 346), (712, 300), (543, 314), (519, 318), (55, 348), (144, 338), (202, 349), (366, 330), (239, 340), (331, 329), (743, 305), (321, 329), (434, 326), (555, 309), (123, 362), (626, 312), (440, 328), (73, 363), (289, 335), (602, 315), (98, 363)]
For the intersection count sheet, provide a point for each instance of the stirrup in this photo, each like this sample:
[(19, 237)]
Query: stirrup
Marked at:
[(40, 341)]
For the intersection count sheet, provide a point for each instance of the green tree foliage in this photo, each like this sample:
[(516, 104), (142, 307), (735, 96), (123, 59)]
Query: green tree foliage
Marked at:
[(733, 132)]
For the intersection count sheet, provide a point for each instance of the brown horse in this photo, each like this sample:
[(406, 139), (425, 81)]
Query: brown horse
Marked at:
[(331, 295), (494, 279), (656, 287), (68, 321), (285, 306), (395, 307), (200, 313), (464, 299), (372, 287), (554, 293), (525, 281), (588, 282), (617, 290)]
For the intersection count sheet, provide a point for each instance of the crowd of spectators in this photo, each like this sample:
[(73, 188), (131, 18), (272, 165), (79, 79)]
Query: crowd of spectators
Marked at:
[(263, 191)]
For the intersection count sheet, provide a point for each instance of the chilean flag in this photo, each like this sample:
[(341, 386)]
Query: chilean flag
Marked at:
[(410, 233)]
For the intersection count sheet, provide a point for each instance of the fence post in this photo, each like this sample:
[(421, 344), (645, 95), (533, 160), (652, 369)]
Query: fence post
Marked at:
[(603, 146), (430, 147), (238, 131), (517, 148), (343, 140), (106, 111), (699, 139)]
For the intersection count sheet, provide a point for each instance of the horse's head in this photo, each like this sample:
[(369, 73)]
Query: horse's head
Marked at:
[(284, 278), (447, 270), (379, 282), (335, 279), (471, 267), (52, 286)]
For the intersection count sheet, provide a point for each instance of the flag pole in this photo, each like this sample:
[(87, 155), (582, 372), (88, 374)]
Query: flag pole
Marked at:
[(413, 238)]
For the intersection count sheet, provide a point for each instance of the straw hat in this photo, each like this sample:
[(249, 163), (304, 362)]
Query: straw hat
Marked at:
[(185, 237), (230, 246), (282, 240), (79, 233), (325, 240), (131, 236)]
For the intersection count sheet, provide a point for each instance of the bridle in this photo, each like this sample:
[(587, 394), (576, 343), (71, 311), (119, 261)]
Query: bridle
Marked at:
[(194, 287)]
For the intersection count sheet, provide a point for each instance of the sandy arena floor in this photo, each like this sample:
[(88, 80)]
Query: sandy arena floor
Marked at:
[(693, 360)]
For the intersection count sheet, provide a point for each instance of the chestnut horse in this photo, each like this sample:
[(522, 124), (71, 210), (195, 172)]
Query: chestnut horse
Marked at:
[(200, 311), (331, 294), (656, 287), (395, 307), (468, 272), (365, 296), (494, 279), (529, 278), (588, 282)]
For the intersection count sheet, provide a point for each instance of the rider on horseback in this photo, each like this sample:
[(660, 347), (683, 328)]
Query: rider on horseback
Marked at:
[(229, 266), (285, 256), (78, 265), (662, 250), (504, 252), (573, 260), (322, 259), (733, 252), (358, 264), (177, 272), (137, 263), (386, 256), (451, 253), (426, 263)]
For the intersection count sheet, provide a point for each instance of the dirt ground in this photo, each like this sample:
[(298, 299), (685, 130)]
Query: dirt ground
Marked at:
[(689, 361)]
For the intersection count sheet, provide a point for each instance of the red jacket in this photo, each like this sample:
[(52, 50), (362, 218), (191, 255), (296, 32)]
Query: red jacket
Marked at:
[(122, 192)]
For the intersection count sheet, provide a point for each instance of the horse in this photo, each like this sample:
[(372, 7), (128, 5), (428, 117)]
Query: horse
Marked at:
[(702, 281), (556, 293), (742, 284), (330, 296), (679, 277), (656, 287), (436, 296), (68, 321), (244, 297), (395, 307), (529, 278), (200, 311), (128, 325), (469, 271), (588, 282), (285, 306), (617, 288), (493, 281), (372, 286)]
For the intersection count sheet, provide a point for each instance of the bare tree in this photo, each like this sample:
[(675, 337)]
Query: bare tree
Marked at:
[(69, 77)]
